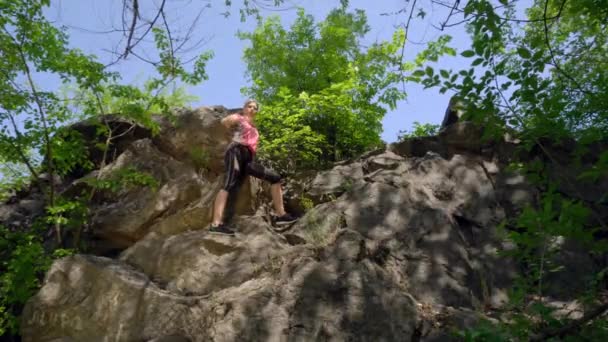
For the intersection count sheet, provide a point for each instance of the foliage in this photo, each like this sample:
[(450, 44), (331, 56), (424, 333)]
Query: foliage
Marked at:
[(69, 151), (14, 178), (200, 158), (130, 102), (419, 130), (539, 236), (22, 261), (544, 81), (31, 116), (28, 114), (306, 203), (69, 213), (35, 139), (123, 179), (32, 133), (322, 93)]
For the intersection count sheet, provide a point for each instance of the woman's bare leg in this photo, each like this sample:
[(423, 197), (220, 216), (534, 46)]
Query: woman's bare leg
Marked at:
[(277, 199), (218, 207)]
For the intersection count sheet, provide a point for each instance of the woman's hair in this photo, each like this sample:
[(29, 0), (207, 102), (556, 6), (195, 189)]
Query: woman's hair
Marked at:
[(250, 101)]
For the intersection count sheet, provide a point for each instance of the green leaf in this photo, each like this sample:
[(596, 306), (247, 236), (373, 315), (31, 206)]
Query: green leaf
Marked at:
[(523, 52), (418, 73), (477, 61), (468, 53)]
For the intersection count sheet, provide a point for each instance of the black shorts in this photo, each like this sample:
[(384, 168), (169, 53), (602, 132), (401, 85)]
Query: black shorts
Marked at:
[(239, 163)]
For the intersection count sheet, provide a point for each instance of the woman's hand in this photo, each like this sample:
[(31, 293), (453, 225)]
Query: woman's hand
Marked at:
[(230, 120)]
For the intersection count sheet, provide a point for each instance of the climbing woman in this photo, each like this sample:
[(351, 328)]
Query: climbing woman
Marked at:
[(239, 162)]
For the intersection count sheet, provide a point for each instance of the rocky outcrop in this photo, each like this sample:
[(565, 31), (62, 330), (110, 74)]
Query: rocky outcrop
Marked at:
[(193, 134), (453, 113), (182, 161), (428, 219), (125, 215), (18, 212), (400, 244), (210, 288)]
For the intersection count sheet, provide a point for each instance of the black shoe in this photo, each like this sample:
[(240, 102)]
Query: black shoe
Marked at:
[(221, 229), (285, 220)]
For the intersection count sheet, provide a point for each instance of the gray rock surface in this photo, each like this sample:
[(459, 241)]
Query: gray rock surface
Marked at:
[(195, 131), (398, 245), (124, 217)]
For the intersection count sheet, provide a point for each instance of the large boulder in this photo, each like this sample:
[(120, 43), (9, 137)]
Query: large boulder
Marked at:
[(330, 184), (199, 262), (198, 214), (181, 200), (125, 216), (453, 113), (429, 220), (196, 134), (86, 298), (251, 287)]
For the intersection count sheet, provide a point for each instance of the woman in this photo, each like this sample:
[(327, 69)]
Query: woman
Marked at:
[(239, 162)]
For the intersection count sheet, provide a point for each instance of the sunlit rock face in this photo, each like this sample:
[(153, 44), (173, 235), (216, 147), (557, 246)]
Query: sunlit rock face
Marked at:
[(398, 245)]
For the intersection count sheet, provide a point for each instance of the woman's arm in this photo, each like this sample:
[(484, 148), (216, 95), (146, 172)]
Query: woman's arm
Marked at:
[(230, 120)]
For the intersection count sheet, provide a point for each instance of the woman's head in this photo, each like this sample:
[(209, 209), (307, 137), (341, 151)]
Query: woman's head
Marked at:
[(250, 107)]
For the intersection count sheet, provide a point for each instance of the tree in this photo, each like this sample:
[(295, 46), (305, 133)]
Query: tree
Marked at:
[(30, 45), (419, 130), (542, 78), (322, 93), (34, 141)]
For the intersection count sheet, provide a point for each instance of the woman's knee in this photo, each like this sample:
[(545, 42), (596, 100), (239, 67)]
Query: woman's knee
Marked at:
[(232, 181)]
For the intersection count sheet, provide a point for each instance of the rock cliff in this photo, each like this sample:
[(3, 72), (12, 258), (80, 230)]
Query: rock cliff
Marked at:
[(400, 244)]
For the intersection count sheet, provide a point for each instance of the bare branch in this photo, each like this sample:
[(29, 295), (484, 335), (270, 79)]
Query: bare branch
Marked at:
[(144, 59), (73, 27), (171, 50), (189, 34), (456, 3), (152, 23), (132, 29), (407, 29)]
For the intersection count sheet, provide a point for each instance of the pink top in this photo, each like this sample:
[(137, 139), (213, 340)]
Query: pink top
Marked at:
[(246, 133)]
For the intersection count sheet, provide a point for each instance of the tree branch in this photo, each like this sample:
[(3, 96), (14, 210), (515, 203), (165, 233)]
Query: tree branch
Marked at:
[(407, 29), (19, 150), (573, 326), (548, 43), (41, 113), (132, 29), (455, 9), (45, 127), (456, 3), (171, 51), (598, 217), (152, 23)]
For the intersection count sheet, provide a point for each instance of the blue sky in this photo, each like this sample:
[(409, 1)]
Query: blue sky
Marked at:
[(227, 71)]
